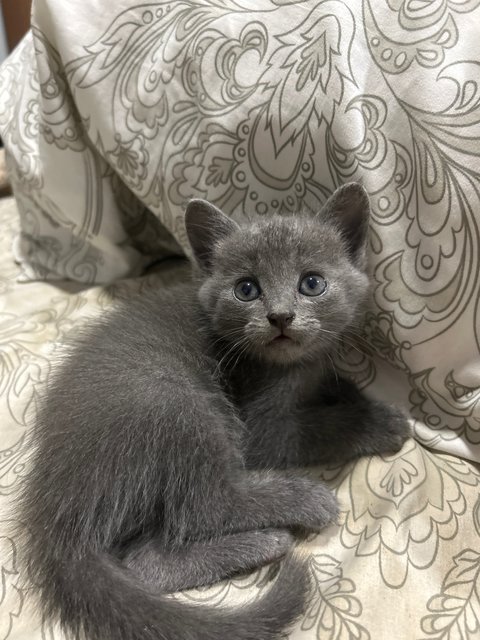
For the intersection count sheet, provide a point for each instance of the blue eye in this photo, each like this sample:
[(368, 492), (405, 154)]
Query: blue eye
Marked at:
[(247, 290), (313, 285)]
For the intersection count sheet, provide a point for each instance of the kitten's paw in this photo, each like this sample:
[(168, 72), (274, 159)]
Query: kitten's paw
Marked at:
[(318, 507), (394, 430), (263, 545), (279, 540)]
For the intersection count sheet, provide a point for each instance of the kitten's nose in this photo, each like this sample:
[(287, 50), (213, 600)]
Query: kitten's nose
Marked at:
[(281, 320)]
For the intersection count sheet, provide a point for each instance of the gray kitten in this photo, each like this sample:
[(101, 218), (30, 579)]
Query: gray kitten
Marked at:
[(166, 444)]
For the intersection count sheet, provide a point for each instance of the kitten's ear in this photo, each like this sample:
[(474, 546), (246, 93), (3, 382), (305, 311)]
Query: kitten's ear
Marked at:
[(349, 207), (206, 225)]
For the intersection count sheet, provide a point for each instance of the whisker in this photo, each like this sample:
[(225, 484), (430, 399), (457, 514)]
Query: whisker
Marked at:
[(333, 367), (242, 351), (225, 358)]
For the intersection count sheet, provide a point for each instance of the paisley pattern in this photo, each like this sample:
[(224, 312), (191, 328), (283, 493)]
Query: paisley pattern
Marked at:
[(261, 106)]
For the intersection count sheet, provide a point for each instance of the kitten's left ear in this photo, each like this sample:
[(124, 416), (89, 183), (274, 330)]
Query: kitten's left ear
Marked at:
[(206, 225), (349, 207)]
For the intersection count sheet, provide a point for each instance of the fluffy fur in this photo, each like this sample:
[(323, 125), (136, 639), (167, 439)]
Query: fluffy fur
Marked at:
[(166, 445)]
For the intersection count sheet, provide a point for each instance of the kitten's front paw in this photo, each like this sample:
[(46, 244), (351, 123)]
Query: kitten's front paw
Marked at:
[(394, 429)]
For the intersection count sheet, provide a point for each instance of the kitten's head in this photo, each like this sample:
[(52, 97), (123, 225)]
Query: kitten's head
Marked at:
[(283, 289)]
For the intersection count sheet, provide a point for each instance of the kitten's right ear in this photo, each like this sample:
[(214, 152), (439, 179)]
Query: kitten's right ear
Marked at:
[(206, 225), (349, 208)]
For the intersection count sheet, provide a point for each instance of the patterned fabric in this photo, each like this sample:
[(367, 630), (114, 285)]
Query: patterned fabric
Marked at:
[(112, 119)]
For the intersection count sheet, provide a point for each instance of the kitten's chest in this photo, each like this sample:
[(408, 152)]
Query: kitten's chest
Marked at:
[(264, 396)]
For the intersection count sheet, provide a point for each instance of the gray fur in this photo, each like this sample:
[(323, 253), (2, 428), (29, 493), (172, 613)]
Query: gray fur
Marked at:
[(167, 442)]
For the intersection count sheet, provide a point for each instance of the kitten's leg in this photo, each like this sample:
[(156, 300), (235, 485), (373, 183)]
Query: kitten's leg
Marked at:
[(207, 493), (206, 562), (254, 500), (348, 426), (247, 527), (281, 500)]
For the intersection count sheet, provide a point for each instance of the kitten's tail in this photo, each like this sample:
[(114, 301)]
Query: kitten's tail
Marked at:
[(102, 599)]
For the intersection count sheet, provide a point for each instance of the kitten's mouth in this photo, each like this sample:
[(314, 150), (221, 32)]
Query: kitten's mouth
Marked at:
[(283, 349), (281, 339)]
